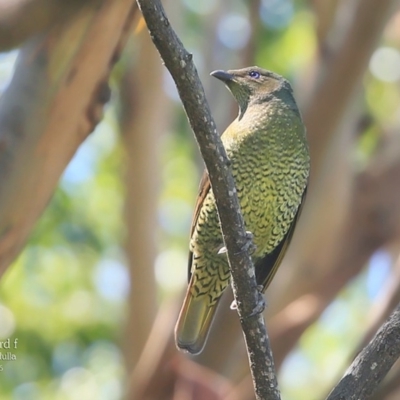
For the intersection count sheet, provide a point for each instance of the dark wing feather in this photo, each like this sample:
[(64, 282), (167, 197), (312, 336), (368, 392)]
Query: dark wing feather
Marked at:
[(204, 188), (267, 266)]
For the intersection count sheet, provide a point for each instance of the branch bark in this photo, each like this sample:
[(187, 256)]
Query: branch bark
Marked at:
[(179, 63), (372, 364)]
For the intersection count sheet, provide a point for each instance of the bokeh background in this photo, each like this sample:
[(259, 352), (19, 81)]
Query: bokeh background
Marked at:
[(93, 296)]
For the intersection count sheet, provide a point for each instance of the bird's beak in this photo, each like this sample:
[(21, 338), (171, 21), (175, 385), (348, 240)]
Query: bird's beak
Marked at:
[(222, 75)]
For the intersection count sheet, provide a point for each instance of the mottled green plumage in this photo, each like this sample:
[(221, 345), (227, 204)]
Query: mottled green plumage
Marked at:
[(270, 162)]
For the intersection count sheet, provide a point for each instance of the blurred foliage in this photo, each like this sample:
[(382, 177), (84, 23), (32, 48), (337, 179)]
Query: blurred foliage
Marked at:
[(66, 292), (64, 298)]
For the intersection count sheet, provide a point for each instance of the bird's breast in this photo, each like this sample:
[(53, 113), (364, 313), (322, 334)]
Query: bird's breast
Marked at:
[(270, 165)]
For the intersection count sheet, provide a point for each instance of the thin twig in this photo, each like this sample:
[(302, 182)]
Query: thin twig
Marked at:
[(372, 364), (179, 63)]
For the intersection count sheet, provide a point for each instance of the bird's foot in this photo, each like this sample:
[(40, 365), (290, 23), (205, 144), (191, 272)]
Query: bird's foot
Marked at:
[(249, 246), (261, 304)]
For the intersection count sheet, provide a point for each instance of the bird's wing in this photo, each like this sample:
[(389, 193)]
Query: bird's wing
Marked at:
[(267, 266), (204, 188)]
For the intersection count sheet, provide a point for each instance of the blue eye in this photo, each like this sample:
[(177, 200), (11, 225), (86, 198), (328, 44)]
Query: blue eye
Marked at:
[(254, 74)]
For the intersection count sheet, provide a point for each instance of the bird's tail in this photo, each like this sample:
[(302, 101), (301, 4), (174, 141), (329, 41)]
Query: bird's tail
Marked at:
[(194, 323)]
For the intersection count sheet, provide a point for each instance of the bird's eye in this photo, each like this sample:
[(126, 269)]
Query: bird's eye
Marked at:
[(254, 74)]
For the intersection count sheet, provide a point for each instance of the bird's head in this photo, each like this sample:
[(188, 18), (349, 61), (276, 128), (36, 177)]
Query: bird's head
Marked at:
[(252, 85)]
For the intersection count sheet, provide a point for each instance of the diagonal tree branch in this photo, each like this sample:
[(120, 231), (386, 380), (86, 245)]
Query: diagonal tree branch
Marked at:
[(179, 63), (372, 364)]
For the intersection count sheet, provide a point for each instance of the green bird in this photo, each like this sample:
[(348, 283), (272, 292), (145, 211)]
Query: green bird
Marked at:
[(270, 162)]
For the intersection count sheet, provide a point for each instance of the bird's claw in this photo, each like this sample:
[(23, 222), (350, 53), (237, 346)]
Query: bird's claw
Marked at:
[(251, 247), (260, 306), (248, 246)]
